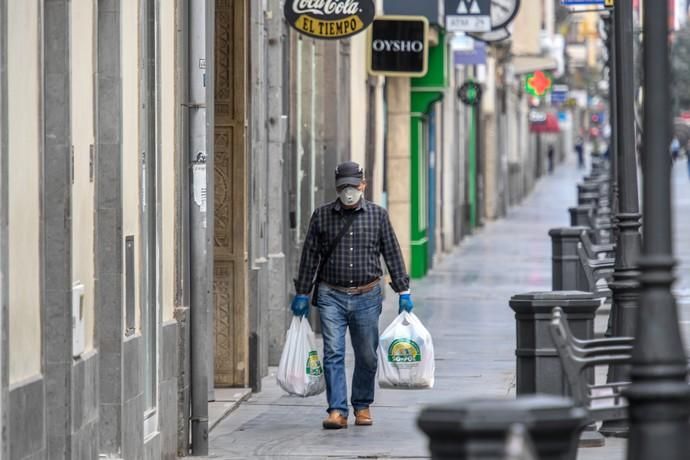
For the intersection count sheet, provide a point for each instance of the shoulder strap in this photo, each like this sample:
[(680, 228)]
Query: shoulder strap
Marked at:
[(349, 219)]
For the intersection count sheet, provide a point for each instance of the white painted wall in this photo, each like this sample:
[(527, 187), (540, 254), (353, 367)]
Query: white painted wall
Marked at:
[(449, 142), (82, 116), (131, 156), (24, 133), (168, 111)]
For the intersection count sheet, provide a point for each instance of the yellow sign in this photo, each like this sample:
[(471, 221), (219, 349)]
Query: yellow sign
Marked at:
[(609, 3), (329, 19), (336, 28)]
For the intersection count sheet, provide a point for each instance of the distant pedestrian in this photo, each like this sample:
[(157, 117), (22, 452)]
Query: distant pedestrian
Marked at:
[(551, 158), (341, 261), (580, 150), (687, 155), (675, 149)]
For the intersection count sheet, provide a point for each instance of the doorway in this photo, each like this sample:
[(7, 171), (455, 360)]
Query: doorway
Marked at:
[(230, 194)]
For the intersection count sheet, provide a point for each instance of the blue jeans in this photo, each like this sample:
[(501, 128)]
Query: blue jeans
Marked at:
[(360, 313)]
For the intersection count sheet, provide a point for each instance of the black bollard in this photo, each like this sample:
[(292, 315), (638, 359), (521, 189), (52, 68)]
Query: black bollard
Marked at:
[(567, 273), (479, 429), (539, 369)]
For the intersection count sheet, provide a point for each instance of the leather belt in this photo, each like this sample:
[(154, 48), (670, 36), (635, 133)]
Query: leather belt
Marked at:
[(356, 290)]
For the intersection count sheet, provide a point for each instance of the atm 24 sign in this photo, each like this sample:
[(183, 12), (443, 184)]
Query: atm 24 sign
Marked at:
[(329, 19)]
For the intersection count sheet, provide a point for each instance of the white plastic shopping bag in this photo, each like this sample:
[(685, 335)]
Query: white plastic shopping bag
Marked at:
[(300, 372), (406, 354)]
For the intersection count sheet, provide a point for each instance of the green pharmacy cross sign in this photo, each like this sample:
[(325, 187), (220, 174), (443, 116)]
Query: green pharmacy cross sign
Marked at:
[(538, 83), (470, 93)]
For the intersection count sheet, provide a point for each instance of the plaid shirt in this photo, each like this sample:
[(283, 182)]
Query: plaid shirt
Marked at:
[(356, 260)]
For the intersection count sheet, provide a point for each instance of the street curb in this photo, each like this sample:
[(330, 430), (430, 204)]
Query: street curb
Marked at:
[(229, 406)]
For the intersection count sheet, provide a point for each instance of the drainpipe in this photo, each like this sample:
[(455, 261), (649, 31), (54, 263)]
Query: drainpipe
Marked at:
[(198, 156)]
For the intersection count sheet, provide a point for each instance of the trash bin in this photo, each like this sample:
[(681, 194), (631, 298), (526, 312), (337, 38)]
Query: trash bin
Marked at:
[(478, 428), (539, 369)]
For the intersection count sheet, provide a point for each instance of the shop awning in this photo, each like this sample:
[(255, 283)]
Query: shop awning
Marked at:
[(548, 125)]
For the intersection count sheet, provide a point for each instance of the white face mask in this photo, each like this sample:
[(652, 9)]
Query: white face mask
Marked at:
[(350, 196)]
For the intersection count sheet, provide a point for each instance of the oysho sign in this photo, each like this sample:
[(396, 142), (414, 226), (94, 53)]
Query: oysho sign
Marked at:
[(398, 46), (329, 19)]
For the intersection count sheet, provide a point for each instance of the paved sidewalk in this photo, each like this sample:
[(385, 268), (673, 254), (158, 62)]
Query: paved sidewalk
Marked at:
[(464, 304)]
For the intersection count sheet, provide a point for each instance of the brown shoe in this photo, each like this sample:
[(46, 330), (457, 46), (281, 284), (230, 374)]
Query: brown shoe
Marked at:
[(335, 421), (363, 417)]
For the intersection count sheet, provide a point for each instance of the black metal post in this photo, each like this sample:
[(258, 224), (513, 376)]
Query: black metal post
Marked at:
[(659, 396), (613, 107), (625, 285), (625, 277)]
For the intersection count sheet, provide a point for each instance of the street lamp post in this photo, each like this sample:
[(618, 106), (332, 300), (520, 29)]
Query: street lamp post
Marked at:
[(659, 395), (625, 284), (613, 146), (627, 214)]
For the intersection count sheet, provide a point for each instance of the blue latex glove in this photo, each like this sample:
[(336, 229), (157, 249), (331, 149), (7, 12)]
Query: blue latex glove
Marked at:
[(300, 305), (405, 303)]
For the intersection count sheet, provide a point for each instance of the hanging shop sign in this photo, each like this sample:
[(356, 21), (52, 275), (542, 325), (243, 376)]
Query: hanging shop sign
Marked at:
[(470, 93), (329, 19), (398, 46), (474, 55), (468, 15), (538, 83), (559, 94), (586, 2)]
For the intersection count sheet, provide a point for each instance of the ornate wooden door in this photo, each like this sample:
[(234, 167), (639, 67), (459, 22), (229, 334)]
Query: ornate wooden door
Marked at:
[(230, 264)]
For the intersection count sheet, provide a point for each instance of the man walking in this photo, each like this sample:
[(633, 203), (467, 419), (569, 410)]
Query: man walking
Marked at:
[(580, 150), (341, 261)]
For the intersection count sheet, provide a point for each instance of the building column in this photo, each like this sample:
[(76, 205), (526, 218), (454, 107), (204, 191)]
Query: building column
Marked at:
[(257, 155), (278, 313), (398, 160), (4, 318), (56, 232), (108, 240)]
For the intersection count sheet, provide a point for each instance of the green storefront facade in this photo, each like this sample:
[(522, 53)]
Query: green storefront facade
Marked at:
[(425, 92)]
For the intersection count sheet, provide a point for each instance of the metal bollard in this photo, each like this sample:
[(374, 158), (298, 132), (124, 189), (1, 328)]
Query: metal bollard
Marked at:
[(567, 273), (539, 369), (479, 429)]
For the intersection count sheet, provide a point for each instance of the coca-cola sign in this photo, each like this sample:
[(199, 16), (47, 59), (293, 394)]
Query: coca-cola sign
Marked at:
[(329, 19)]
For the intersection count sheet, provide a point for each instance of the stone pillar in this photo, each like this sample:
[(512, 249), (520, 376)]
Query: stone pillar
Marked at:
[(57, 229), (278, 313), (258, 201), (4, 314), (109, 247), (398, 161)]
